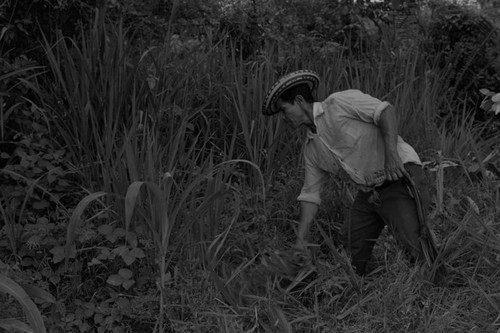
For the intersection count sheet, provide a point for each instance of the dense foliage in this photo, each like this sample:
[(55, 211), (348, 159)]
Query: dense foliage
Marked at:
[(142, 190), (468, 46)]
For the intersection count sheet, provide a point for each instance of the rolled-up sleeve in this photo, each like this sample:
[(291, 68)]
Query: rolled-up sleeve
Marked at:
[(359, 105), (313, 181)]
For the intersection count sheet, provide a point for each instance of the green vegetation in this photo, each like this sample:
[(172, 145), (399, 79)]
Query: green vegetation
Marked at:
[(143, 191)]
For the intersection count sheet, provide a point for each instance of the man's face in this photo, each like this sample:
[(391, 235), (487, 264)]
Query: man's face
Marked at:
[(292, 114)]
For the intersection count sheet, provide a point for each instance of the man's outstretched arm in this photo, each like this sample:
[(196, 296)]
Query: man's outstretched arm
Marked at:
[(307, 212)]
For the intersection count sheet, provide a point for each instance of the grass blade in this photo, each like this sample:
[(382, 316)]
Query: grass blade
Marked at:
[(14, 325), (75, 220), (37, 292), (160, 223), (35, 319)]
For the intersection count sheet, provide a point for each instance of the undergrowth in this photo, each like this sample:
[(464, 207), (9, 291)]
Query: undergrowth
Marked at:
[(143, 191)]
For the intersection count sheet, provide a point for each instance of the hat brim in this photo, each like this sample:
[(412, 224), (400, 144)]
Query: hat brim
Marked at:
[(284, 83)]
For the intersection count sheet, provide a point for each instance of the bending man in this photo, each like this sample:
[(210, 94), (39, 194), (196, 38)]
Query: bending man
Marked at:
[(355, 133)]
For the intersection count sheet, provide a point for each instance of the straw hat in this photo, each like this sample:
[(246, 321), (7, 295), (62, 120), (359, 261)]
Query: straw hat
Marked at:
[(284, 83)]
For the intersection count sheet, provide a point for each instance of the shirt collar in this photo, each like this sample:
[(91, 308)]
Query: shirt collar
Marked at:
[(317, 112)]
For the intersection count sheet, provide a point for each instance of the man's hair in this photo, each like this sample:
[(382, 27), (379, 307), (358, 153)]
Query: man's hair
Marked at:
[(300, 89)]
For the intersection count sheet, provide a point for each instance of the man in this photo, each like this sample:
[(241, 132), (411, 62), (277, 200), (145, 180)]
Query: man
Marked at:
[(354, 133)]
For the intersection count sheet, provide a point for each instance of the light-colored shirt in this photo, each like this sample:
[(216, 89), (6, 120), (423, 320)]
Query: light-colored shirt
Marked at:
[(348, 137)]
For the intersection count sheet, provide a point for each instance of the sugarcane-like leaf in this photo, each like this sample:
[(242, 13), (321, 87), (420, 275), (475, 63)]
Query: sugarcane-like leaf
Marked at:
[(34, 291), (14, 325), (75, 219), (35, 319)]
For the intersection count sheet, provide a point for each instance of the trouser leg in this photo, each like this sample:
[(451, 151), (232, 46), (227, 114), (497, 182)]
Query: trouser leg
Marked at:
[(399, 211), (360, 232)]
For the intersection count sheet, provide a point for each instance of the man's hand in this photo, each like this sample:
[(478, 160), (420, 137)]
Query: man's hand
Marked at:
[(300, 244), (307, 212), (394, 167)]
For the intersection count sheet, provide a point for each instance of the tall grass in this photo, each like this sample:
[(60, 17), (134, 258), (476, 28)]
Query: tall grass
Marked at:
[(98, 96), (174, 140), (14, 81), (145, 134), (416, 89)]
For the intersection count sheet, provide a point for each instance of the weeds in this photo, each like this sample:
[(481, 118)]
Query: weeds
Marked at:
[(181, 207)]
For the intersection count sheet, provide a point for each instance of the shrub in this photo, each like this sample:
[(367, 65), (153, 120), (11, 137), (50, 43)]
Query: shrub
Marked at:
[(25, 21), (467, 46)]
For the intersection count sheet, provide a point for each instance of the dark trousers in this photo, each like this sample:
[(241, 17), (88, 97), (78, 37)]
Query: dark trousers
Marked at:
[(390, 204)]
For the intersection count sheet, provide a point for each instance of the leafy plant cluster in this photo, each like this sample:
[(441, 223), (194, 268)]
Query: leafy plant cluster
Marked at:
[(317, 26), (467, 45), (25, 22)]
